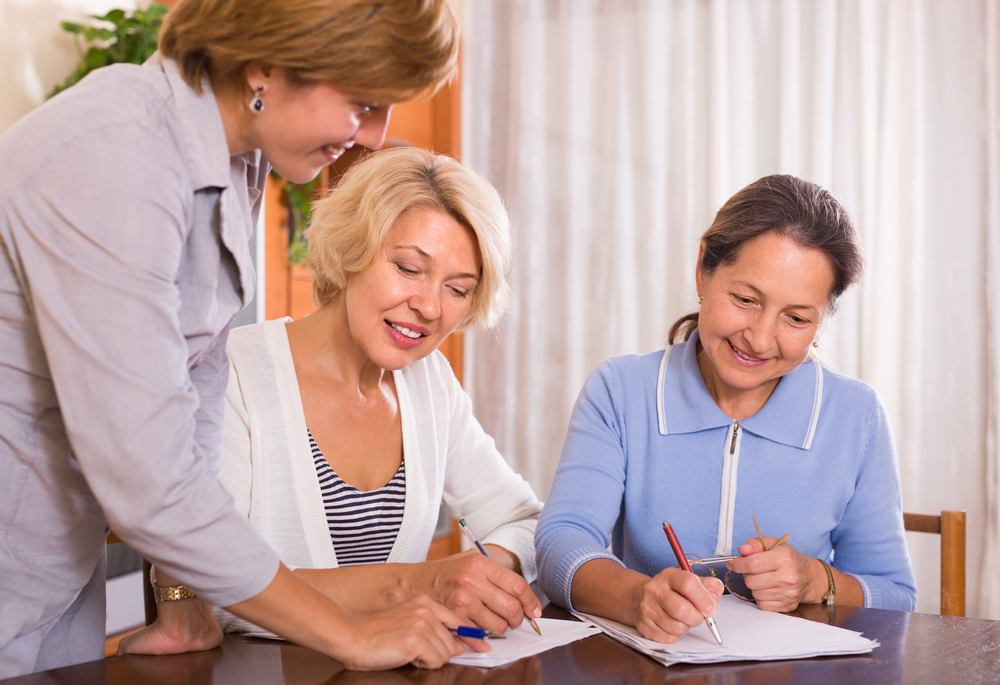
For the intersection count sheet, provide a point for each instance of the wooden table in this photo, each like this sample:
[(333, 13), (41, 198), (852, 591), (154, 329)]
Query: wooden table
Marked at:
[(916, 648)]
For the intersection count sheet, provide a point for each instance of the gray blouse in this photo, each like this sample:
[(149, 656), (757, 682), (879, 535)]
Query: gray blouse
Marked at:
[(125, 233)]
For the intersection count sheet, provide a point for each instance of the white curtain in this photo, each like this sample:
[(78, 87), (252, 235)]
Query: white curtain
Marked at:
[(616, 129)]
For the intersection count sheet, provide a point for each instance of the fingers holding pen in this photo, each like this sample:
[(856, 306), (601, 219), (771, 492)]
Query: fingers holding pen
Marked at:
[(480, 591), (673, 602)]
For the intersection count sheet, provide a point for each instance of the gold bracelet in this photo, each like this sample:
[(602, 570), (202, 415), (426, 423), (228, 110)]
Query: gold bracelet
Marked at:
[(831, 593), (168, 594)]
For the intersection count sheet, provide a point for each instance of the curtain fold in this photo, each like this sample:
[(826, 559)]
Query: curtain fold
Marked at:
[(616, 129)]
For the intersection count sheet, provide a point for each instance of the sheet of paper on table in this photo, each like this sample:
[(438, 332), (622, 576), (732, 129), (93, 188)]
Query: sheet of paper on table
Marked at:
[(748, 634), (522, 642)]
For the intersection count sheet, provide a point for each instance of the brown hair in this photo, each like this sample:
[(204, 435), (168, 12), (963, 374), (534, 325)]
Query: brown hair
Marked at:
[(350, 225), (385, 50), (805, 212)]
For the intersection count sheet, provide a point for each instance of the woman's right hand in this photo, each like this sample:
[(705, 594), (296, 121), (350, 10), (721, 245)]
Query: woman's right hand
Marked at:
[(413, 632), (674, 601), (478, 589)]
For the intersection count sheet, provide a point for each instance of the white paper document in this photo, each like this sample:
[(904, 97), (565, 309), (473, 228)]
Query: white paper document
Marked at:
[(523, 642), (748, 634), (519, 643)]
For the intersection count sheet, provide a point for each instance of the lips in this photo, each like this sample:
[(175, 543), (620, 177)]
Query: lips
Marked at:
[(404, 337), (743, 358)]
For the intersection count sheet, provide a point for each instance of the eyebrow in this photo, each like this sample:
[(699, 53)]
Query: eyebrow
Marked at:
[(423, 254), (791, 306)]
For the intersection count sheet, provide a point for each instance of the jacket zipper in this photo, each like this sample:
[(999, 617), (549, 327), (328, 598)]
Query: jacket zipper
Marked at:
[(736, 429)]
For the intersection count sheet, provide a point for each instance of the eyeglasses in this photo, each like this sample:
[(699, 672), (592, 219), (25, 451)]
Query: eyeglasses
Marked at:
[(727, 579)]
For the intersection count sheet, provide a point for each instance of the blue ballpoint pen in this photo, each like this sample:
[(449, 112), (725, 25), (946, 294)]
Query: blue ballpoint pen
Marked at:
[(482, 550), (477, 633)]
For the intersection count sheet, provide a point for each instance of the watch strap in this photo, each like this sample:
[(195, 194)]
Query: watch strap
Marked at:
[(168, 594)]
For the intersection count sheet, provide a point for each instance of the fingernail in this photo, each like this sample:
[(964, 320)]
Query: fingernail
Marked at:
[(537, 613)]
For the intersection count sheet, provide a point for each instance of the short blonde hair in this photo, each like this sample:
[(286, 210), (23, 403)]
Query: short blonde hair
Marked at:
[(350, 225), (385, 50)]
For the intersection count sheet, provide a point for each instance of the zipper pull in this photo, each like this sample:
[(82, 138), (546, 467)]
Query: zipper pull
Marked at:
[(736, 429)]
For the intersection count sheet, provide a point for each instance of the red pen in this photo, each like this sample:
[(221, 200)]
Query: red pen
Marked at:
[(682, 559)]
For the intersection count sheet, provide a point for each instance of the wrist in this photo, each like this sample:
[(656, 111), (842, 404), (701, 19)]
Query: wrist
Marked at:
[(636, 593), (820, 586), (408, 581), (167, 589)]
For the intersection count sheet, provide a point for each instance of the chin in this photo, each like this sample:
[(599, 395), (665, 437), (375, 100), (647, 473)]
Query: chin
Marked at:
[(297, 175)]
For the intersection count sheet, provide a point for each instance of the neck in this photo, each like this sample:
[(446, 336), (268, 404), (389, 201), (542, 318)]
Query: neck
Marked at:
[(736, 403), (236, 118), (321, 343)]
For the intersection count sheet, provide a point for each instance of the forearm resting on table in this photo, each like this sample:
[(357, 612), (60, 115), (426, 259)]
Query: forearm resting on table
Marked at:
[(606, 588), (289, 606), (376, 586)]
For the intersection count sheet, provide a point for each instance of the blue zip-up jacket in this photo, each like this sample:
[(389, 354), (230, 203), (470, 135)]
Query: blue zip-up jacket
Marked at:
[(647, 444)]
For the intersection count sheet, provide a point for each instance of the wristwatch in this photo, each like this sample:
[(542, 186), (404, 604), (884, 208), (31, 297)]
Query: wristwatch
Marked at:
[(168, 594), (832, 592)]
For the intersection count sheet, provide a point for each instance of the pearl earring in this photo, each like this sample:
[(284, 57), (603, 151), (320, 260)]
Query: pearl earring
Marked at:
[(815, 343), (257, 104)]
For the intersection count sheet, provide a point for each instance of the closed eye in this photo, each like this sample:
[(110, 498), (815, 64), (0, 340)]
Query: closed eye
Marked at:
[(406, 270)]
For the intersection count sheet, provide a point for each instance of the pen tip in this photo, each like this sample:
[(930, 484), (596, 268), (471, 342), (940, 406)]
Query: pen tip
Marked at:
[(666, 524), (535, 626)]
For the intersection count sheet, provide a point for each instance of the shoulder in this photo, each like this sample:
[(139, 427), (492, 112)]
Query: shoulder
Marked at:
[(847, 394), (256, 342), (112, 105), (628, 373)]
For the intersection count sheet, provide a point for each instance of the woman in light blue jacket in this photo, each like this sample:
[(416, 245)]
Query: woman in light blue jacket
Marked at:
[(734, 421)]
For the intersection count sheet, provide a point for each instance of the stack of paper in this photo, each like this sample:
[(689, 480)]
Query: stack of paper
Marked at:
[(748, 634), (523, 642)]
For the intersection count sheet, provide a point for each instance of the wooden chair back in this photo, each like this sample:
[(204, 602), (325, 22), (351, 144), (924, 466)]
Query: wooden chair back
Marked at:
[(950, 525)]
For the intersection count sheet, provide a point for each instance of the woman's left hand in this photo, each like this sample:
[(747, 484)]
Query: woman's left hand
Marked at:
[(780, 578), (182, 626)]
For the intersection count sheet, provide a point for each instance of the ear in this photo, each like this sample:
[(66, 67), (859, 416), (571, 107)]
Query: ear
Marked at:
[(258, 73), (699, 275)]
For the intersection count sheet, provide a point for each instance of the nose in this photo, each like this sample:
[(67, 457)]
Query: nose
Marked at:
[(371, 131), (760, 334), (427, 301)]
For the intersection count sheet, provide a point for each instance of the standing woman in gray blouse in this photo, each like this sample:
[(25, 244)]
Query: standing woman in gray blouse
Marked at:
[(127, 204)]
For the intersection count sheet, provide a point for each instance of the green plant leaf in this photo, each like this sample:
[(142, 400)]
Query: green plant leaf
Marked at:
[(132, 38), (114, 16), (96, 58), (72, 27)]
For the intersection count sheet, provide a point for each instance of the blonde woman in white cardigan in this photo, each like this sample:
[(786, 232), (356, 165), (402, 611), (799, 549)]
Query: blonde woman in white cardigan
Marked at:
[(356, 400)]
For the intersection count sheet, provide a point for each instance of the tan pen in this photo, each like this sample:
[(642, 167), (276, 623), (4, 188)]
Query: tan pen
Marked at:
[(485, 552)]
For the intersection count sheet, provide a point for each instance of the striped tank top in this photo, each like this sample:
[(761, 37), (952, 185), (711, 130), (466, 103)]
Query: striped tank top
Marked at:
[(363, 525)]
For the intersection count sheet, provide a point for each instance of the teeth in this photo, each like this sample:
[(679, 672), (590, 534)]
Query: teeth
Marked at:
[(407, 332), (334, 150)]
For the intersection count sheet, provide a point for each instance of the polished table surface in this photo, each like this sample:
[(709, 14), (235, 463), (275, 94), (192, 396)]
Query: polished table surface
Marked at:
[(915, 648)]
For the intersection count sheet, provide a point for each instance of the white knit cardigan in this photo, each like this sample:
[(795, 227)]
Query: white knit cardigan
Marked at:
[(268, 467)]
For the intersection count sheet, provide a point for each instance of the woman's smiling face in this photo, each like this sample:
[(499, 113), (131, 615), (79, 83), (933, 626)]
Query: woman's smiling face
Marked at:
[(306, 126), (760, 315), (420, 288)]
